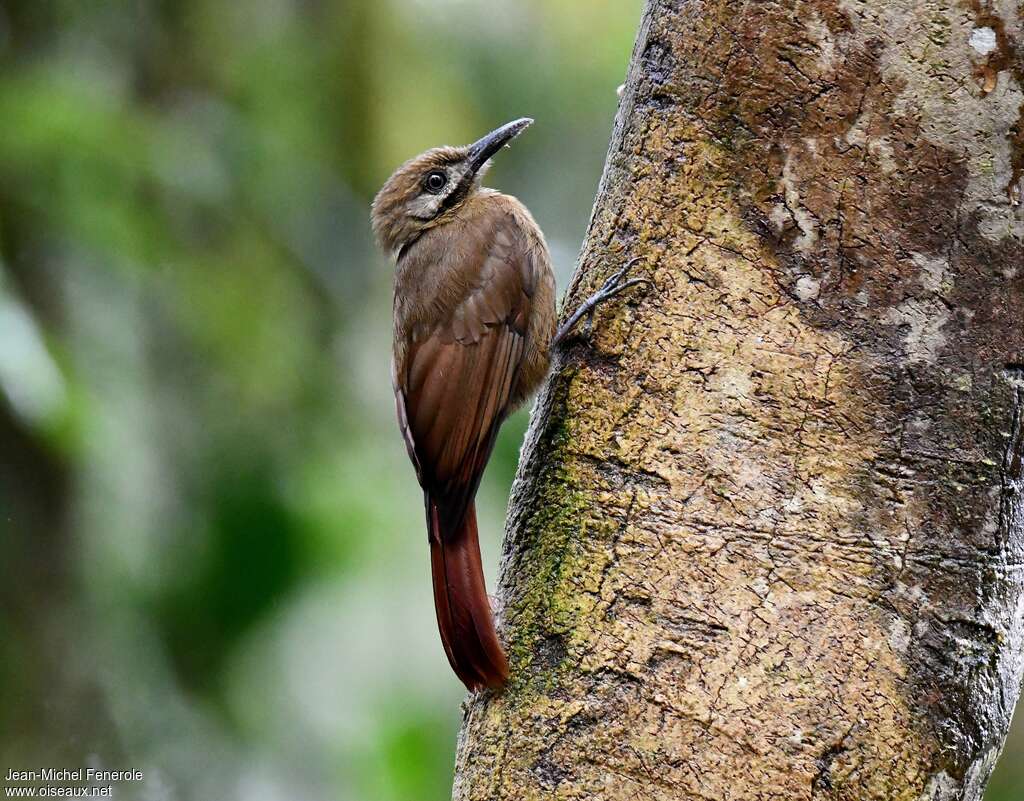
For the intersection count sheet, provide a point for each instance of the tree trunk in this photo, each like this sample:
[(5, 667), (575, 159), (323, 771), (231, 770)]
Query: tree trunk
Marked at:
[(767, 536)]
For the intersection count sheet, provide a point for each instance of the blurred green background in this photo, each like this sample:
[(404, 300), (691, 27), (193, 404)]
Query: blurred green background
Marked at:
[(212, 559)]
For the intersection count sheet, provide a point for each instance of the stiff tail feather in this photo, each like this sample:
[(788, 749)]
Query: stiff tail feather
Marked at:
[(460, 599)]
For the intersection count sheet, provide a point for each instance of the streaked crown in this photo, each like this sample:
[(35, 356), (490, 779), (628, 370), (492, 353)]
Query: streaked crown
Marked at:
[(428, 189)]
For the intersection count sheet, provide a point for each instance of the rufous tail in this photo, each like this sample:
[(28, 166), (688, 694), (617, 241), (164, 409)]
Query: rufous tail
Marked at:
[(460, 598)]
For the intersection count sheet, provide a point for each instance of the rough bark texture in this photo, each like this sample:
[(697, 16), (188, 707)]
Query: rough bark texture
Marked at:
[(767, 536)]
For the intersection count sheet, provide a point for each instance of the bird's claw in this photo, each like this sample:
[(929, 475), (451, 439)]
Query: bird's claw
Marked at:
[(615, 278), (614, 285), (611, 287)]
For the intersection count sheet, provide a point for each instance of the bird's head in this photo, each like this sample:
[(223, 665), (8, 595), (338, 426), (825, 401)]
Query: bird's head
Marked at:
[(429, 189)]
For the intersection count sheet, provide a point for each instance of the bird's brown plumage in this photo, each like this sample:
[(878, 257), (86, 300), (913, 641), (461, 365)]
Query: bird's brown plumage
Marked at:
[(474, 315)]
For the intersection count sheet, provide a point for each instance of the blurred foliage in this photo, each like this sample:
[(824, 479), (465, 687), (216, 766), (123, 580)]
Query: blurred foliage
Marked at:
[(212, 562), (212, 557)]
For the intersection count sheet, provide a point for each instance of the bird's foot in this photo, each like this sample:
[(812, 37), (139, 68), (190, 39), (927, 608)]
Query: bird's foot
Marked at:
[(613, 286)]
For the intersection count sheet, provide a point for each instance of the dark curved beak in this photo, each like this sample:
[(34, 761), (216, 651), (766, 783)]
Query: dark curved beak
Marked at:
[(487, 146)]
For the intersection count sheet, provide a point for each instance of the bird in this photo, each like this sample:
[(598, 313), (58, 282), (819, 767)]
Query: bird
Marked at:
[(475, 324)]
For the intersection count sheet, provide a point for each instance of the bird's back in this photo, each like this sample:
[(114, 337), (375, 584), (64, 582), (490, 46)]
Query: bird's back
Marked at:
[(464, 273)]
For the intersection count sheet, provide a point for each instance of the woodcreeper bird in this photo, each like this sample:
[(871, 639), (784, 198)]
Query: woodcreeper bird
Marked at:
[(474, 325)]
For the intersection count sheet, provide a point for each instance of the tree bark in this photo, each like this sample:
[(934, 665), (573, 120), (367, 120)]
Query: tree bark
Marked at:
[(766, 538)]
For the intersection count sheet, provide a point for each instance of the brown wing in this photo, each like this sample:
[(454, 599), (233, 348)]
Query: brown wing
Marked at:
[(459, 374)]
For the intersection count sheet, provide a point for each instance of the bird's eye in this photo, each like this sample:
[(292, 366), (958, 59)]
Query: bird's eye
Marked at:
[(435, 181)]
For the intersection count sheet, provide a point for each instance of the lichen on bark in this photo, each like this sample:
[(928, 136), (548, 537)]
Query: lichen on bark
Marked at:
[(766, 539)]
